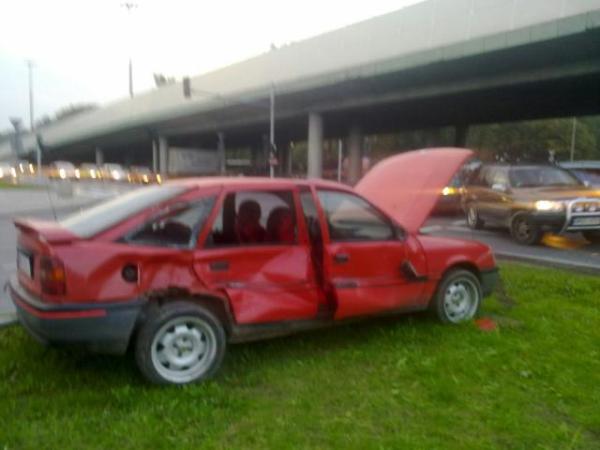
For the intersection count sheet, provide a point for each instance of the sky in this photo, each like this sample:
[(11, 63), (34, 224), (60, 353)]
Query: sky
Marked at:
[(80, 48)]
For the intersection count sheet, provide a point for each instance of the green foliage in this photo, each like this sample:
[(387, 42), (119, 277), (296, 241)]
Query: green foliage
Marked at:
[(399, 383), (518, 141), (533, 140)]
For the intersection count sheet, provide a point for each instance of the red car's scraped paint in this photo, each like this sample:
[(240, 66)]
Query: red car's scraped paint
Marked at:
[(183, 269)]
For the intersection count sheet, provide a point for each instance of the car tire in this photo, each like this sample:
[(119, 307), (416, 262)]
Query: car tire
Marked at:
[(473, 220), (458, 297), (524, 230), (179, 343), (592, 236)]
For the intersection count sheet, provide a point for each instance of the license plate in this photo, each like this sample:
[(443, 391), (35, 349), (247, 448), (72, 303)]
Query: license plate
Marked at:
[(24, 263), (586, 221)]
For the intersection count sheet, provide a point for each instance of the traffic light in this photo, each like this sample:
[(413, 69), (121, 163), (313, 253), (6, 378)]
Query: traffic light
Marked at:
[(187, 88)]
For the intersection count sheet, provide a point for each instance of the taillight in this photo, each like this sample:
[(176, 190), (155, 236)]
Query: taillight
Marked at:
[(52, 276)]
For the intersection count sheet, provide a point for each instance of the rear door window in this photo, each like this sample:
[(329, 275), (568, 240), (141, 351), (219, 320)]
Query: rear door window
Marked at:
[(255, 218)]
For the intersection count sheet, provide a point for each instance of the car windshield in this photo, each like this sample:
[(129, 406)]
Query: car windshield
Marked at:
[(591, 176), (523, 177), (92, 221)]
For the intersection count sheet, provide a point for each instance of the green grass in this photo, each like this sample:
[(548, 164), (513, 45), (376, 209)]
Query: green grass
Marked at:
[(8, 185), (402, 383)]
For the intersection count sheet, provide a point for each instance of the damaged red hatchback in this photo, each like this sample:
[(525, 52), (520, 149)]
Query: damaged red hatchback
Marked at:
[(183, 269)]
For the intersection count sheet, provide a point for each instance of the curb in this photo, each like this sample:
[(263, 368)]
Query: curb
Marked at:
[(549, 262)]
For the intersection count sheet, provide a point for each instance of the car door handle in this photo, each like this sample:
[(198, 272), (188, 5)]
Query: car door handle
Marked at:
[(341, 258), (219, 266)]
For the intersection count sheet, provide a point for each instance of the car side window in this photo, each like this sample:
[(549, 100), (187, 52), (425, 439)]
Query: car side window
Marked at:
[(478, 177), (255, 218), (500, 176), (176, 226), (351, 218)]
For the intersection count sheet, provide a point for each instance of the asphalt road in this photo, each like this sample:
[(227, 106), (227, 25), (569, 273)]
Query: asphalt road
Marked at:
[(569, 250)]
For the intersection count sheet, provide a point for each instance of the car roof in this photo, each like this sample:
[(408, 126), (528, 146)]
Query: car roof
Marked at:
[(581, 165), (258, 182), (523, 166)]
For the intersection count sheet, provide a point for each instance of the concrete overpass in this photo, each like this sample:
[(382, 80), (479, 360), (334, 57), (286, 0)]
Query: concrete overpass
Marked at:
[(437, 63)]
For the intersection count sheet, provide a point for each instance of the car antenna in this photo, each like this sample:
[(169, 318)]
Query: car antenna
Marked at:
[(47, 181)]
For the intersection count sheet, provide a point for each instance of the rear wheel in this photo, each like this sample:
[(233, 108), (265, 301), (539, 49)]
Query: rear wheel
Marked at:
[(473, 219), (524, 230), (592, 236), (458, 297), (180, 343)]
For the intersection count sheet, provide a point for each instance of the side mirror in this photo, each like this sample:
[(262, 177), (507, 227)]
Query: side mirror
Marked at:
[(499, 187)]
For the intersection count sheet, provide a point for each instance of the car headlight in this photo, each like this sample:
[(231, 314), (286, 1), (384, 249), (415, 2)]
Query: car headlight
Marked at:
[(116, 175), (62, 173), (448, 190), (548, 205)]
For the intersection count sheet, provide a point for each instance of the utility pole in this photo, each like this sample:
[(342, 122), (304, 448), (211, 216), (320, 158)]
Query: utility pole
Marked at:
[(272, 132), (38, 150), (573, 138), (30, 71), (130, 6)]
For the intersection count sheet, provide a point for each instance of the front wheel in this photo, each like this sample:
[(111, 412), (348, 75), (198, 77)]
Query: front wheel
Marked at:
[(458, 297), (473, 220), (592, 236), (180, 343), (524, 230)]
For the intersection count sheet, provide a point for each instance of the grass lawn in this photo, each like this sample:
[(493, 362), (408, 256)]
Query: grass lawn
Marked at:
[(403, 383), (8, 185)]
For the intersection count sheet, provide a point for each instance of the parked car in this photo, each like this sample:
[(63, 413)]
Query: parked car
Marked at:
[(62, 170), (7, 172), (141, 175), (89, 171), (115, 172), (530, 200), (183, 269), (588, 172)]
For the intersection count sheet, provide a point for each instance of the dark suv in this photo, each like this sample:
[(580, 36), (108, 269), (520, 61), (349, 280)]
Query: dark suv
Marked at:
[(531, 200)]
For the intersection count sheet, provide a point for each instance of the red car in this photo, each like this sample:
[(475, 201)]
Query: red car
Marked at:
[(180, 270)]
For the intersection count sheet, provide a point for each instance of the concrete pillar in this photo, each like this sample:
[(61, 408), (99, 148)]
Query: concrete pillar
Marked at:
[(221, 152), (163, 156), (315, 145), (461, 132), (354, 146), (154, 156), (99, 156)]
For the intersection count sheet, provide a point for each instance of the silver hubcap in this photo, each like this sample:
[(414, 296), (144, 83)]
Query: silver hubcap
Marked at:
[(461, 300), (472, 216), (183, 349), (523, 230)]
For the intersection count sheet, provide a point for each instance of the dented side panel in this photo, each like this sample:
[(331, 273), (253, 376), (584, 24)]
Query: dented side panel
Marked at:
[(263, 283)]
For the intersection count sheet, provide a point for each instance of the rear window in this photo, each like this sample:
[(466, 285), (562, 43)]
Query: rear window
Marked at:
[(92, 221)]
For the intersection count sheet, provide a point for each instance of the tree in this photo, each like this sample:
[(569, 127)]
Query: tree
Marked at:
[(533, 140), (161, 80), (65, 112)]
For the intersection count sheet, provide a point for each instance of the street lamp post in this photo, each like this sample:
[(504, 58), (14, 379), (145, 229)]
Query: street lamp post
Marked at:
[(38, 150), (130, 6)]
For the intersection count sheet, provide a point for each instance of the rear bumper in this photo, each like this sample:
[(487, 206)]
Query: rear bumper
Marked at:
[(100, 327), (489, 279)]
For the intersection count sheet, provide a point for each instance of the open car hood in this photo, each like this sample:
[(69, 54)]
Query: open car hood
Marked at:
[(407, 186)]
